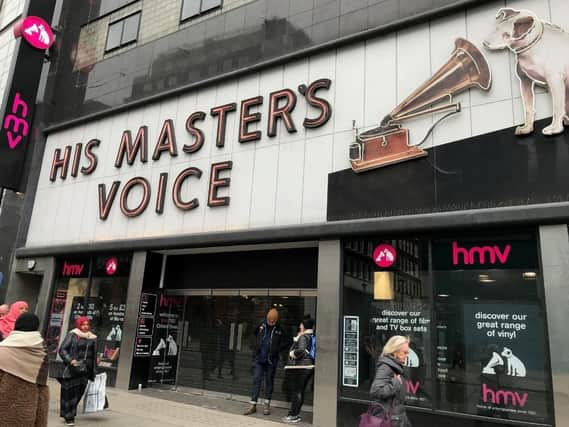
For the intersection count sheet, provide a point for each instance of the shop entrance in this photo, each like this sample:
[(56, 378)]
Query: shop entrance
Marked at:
[(218, 344)]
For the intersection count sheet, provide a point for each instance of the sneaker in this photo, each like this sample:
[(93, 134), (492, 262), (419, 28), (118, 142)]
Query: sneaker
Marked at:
[(292, 419), (267, 409), (252, 409), (69, 422)]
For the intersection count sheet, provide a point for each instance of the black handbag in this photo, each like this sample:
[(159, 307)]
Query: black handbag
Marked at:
[(80, 369)]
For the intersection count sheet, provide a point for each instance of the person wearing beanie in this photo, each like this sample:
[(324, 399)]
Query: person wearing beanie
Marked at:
[(301, 367), (23, 376), (78, 352), (270, 341)]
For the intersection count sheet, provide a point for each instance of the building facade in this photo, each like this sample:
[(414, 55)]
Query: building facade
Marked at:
[(356, 161)]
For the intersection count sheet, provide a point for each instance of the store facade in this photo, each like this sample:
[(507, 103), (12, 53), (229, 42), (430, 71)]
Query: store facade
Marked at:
[(177, 224)]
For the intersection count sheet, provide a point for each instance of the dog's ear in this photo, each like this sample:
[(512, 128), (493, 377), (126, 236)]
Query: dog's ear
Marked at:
[(522, 26), (506, 13)]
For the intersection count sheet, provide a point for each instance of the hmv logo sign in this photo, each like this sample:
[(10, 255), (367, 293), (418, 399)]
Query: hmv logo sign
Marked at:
[(70, 270), (480, 255)]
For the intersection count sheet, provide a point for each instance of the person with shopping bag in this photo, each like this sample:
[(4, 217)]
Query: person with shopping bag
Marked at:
[(388, 388), (24, 392), (78, 352)]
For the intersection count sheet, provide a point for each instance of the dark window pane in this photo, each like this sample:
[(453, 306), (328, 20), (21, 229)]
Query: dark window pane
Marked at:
[(106, 6), (130, 32), (114, 36), (210, 4), (190, 8)]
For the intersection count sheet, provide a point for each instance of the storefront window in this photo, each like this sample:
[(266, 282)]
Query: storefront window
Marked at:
[(97, 288), (382, 302), (473, 309)]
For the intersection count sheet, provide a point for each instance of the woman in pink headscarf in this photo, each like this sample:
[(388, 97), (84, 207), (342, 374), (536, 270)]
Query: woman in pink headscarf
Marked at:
[(7, 322)]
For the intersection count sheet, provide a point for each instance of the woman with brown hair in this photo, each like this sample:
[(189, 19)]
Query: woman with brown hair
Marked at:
[(78, 351)]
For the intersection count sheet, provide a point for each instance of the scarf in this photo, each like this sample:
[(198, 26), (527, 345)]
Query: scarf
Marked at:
[(7, 322), (23, 355), (85, 335)]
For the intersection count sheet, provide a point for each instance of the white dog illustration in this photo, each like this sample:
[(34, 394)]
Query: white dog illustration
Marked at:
[(542, 53), (516, 368), (495, 361), (412, 360)]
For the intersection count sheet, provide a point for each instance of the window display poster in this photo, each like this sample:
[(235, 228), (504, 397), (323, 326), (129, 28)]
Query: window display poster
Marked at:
[(351, 351), (505, 355), (165, 346), (410, 320), (110, 330)]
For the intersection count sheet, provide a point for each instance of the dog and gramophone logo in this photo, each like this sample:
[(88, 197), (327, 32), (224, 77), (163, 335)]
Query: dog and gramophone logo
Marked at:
[(541, 51)]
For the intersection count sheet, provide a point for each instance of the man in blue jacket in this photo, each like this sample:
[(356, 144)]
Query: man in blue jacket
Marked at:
[(269, 343)]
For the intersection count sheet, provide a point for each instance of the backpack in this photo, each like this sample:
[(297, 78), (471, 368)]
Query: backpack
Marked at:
[(312, 352)]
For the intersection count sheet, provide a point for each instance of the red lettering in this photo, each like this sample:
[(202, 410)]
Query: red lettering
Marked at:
[(248, 118), (283, 112), (221, 113), (166, 141), (60, 163), (479, 254), (316, 102), (106, 201), (131, 149), (195, 132), (215, 183)]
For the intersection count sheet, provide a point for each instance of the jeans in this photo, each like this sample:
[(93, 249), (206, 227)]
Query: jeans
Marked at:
[(268, 372), (300, 379)]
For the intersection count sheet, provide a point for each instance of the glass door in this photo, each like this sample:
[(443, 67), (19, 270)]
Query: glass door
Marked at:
[(218, 342)]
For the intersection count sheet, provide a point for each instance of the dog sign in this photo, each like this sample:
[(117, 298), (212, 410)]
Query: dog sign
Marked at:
[(542, 58)]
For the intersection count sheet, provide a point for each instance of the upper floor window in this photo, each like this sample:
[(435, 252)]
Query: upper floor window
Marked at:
[(191, 8), (123, 32)]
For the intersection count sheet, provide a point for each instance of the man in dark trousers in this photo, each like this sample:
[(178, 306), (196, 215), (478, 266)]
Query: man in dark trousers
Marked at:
[(269, 342)]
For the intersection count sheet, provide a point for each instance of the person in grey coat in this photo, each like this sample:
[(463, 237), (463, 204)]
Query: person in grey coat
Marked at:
[(388, 387)]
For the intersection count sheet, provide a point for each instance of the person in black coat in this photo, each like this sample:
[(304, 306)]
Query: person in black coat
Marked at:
[(301, 368), (78, 352), (388, 388), (269, 342)]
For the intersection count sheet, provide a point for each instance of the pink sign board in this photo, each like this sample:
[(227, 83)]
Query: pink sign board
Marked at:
[(35, 31), (111, 266), (384, 255)]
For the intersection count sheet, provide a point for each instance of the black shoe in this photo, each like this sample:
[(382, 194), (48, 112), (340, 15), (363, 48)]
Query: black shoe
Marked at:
[(70, 422)]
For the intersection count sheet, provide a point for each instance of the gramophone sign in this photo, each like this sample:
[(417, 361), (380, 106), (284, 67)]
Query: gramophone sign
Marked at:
[(389, 143)]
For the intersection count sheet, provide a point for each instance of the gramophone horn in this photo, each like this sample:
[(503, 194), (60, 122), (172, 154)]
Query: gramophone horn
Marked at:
[(467, 67)]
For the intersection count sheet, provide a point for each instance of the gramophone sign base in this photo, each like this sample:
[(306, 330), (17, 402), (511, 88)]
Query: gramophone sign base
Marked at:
[(386, 149)]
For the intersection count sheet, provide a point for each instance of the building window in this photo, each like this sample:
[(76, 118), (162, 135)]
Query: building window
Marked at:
[(123, 32), (192, 8)]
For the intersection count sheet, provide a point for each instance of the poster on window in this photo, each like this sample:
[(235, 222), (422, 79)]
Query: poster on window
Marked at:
[(165, 345), (110, 330), (351, 351), (410, 320), (505, 359)]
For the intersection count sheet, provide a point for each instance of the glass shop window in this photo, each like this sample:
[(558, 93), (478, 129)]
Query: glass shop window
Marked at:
[(193, 8), (491, 346), (96, 288), (123, 32), (386, 292), (473, 308)]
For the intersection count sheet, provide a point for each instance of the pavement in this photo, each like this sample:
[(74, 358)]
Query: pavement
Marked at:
[(153, 407)]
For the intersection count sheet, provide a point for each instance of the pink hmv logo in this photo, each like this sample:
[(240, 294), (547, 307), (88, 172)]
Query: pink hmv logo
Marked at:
[(384, 255), (36, 32), (15, 124), (479, 254)]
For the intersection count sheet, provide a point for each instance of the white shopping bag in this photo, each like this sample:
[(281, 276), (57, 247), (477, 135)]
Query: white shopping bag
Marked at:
[(94, 398)]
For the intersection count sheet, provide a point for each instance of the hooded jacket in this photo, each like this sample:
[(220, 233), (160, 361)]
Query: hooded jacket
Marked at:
[(389, 391), (301, 349), (276, 342)]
